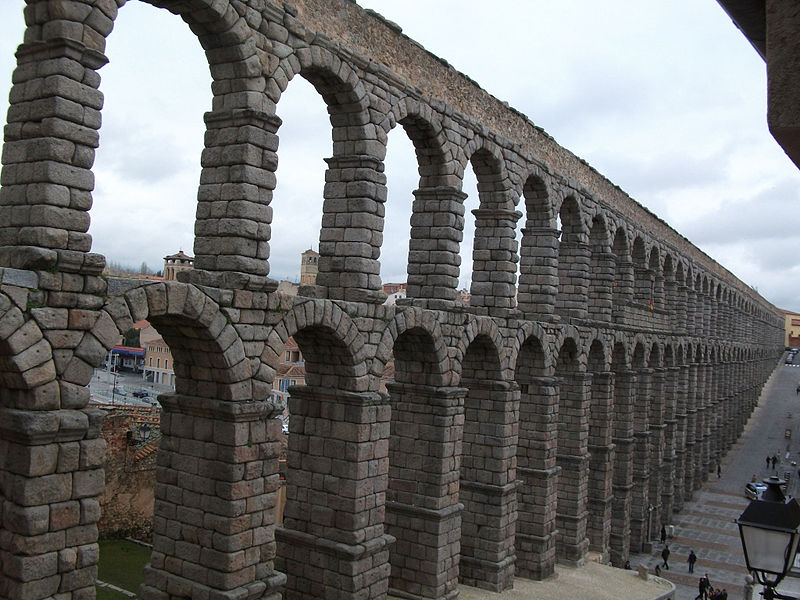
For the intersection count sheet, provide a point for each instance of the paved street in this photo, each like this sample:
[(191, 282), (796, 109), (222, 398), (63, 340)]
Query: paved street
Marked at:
[(105, 387), (706, 523)]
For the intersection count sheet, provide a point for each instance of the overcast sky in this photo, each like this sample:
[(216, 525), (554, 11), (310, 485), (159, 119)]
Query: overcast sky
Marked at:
[(666, 99)]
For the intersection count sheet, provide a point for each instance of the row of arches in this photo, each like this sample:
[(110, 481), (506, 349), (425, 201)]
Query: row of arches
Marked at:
[(544, 245), (497, 450)]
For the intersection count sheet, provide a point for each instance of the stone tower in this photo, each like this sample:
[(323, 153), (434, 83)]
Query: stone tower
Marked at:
[(174, 263), (309, 266)]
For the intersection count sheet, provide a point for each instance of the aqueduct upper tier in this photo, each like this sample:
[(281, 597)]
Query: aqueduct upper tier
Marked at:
[(600, 369)]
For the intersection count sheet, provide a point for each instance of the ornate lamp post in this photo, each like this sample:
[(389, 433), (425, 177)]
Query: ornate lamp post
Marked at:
[(769, 531)]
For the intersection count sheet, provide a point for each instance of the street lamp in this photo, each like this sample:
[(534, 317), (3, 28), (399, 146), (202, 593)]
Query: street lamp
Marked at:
[(769, 531)]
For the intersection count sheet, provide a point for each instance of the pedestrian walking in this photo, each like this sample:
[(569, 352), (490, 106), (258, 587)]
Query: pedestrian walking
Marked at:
[(703, 586), (665, 556), (768, 459), (719, 470), (663, 534), (691, 560), (774, 460)]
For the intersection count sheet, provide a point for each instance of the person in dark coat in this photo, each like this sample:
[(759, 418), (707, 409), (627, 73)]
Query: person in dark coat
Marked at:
[(691, 560), (665, 556), (703, 586), (663, 534)]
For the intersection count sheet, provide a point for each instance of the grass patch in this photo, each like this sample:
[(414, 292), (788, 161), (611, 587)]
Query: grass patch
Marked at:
[(121, 564), (107, 594)]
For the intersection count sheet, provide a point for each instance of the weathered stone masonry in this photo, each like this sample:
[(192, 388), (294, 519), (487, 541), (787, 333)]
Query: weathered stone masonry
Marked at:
[(569, 410)]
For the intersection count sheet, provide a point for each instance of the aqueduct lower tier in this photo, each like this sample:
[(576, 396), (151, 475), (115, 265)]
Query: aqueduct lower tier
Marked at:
[(601, 368), (502, 446)]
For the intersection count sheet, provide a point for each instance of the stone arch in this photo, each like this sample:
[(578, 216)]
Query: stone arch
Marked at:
[(434, 151), (600, 446), (422, 327), (437, 221), (356, 189), (538, 273), (602, 270), (26, 358), (522, 335), (209, 357), (487, 488), (494, 252), (532, 367), (475, 326), (573, 261), (573, 426), (538, 195), (330, 341)]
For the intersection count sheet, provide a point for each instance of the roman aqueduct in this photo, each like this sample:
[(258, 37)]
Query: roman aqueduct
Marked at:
[(600, 369)]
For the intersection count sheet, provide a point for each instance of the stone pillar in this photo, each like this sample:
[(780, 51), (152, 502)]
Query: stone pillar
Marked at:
[(332, 543), (437, 230), (538, 278), (233, 220), (494, 273), (656, 427), (624, 393), (690, 464), (703, 438), (51, 463), (623, 289), (489, 485), (641, 507), (681, 308), (643, 286), (422, 509), (601, 286), (669, 469), (681, 438), (216, 488), (536, 467), (573, 458), (658, 291), (601, 460), (573, 279), (50, 140), (352, 229)]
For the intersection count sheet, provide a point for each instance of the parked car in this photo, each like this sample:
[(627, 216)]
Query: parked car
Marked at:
[(140, 394), (789, 359), (120, 391), (754, 489)]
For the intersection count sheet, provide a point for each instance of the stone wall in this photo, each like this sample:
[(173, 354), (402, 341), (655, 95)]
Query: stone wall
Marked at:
[(127, 503)]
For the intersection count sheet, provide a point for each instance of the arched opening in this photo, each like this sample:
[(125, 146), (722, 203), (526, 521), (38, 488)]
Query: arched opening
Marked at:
[(538, 267), (573, 262), (488, 476), (147, 167), (422, 500), (536, 462), (296, 206), (601, 450), (573, 456)]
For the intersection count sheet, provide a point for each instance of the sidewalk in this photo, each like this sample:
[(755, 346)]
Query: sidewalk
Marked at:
[(590, 582), (707, 522)]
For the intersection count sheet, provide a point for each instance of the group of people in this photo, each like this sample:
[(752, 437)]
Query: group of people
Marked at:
[(772, 460), (709, 593)]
